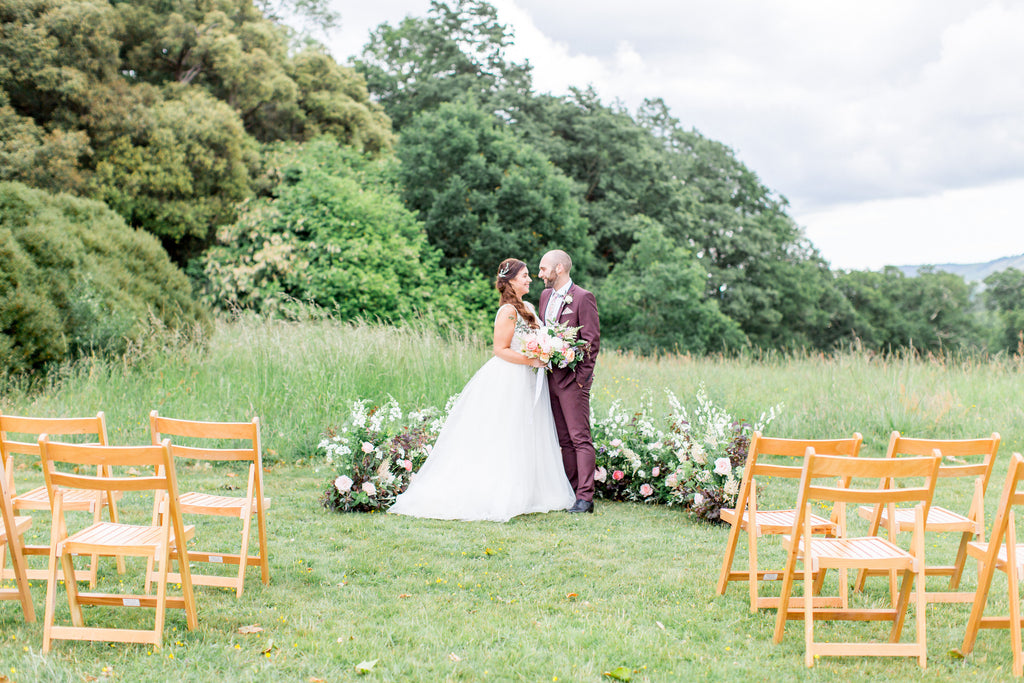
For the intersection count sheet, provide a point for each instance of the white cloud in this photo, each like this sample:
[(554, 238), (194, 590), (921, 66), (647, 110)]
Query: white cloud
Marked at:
[(901, 114), (956, 226)]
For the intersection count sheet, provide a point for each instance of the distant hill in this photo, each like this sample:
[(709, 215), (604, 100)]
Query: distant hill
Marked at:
[(972, 272)]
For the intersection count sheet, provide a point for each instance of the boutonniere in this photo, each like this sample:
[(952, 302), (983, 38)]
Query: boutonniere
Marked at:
[(567, 299)]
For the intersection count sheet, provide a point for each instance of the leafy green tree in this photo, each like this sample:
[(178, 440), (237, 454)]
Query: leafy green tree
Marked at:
[(334, 232), (458, 49), (1004, 296), (180, 171), (154, 106), (764, 273), (483, 194), (653, 301), (929, 312), (619, 167), (74, 279)]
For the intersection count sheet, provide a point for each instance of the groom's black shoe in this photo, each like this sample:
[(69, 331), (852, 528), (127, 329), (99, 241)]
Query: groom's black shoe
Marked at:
[(581, 506)]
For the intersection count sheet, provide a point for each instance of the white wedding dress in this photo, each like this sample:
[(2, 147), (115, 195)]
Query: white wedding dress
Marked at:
[(497, 455)]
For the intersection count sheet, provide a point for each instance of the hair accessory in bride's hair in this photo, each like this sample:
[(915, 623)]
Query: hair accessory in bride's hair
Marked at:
[(505, 270)]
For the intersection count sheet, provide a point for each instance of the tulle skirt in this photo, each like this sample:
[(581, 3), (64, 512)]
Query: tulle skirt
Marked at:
[(496, 457)]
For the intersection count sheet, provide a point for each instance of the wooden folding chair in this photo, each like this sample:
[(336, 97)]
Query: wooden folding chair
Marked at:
[(243, 508), (916, 478), (92, 428), (763, 460), (1002, 552), (971, 459), (11, 530), (115, 539)]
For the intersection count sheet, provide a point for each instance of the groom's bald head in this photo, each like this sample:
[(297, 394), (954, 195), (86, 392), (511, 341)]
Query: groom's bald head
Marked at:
[(554, 268)]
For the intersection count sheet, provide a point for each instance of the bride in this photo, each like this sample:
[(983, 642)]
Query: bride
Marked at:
[(497, 455)]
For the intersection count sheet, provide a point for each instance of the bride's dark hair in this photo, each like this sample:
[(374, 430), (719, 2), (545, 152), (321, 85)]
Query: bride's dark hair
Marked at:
[(507, 271)]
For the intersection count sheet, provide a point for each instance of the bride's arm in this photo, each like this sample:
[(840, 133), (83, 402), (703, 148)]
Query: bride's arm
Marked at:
[(504, 329)]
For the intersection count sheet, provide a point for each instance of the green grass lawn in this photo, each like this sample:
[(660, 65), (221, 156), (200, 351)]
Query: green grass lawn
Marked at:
[(542, 598)]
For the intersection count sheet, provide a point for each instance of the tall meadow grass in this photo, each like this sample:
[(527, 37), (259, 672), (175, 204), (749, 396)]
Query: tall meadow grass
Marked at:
[(544, 597)]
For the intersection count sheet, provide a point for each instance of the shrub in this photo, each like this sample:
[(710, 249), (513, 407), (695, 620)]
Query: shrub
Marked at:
[(375, 454), (334, 232), (694, 462), (74, 280)]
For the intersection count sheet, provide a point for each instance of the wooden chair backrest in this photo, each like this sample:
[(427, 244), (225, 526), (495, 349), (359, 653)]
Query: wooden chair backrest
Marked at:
[(861, 477), (792, 448), (53, 426), (161, 427), (958, 449), (157, 457)]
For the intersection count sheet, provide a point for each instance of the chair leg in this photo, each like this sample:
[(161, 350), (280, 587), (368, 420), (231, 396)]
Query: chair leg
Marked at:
[(161, 593), (261, 522), (900, 606), (112, 511), (50, 607), (72, 589), (961, 561), (808, 612), (1014, 590), (730, 553), (243, 557)]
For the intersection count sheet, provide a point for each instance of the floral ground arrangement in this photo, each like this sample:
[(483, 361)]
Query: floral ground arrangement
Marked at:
[(664, 455)]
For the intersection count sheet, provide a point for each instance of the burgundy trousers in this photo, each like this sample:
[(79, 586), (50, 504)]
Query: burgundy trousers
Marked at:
[(570, 405)]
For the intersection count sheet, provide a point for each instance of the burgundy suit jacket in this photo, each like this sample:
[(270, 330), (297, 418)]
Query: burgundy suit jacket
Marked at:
[(581, 313)]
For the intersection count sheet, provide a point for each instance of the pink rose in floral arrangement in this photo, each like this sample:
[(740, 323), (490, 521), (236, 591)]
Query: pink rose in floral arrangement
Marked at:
[(406, 465), (672, 480), (600, 475), (367, 447), (616, 443), (369, 489), (617, 475), (655, 471), (646, 490)]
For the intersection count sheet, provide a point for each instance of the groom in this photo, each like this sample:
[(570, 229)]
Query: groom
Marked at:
[(571, 305)]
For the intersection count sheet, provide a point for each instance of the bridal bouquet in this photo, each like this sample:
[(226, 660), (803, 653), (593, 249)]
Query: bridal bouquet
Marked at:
[(556, 345)]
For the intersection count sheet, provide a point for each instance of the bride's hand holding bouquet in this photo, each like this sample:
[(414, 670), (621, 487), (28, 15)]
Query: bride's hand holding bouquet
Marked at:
[(554, 346)]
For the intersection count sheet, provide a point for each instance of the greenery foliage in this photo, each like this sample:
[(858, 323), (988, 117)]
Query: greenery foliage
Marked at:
[(483, 194), (77, 280), (333, 232)]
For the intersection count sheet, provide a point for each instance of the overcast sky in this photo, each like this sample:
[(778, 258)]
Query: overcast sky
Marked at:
[(895, 128)]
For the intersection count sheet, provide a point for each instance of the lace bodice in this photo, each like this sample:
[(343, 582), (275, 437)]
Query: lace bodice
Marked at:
[(522, 328)]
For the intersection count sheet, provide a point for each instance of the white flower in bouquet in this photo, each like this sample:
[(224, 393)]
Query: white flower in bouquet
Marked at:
[(672, 481), (343, 484), (615, 443), (723, 466), (655, 471), (732, 487), (369, 489), (698, 454), (698, 499), (367, 447), (600, 475)]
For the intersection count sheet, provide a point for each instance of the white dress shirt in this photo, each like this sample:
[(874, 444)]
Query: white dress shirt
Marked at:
[(554, 302)]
